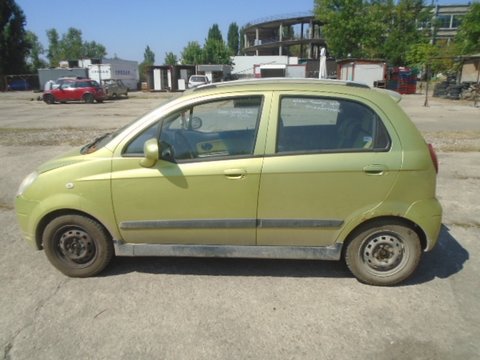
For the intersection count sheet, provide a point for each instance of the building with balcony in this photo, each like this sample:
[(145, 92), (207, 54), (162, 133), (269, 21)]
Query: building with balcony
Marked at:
[(447, 19), (289, 35)]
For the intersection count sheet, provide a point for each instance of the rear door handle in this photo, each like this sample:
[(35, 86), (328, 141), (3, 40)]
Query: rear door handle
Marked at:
[(235, 174), (375, 169)]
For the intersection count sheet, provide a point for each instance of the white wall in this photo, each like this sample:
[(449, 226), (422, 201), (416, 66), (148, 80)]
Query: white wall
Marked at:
[(243, 65)]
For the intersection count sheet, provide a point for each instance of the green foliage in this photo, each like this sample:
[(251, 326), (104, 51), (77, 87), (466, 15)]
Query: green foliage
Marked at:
[(148, 60), (170, 59), (71, 47), (216, 52), (214, 33), (403, 31), (468, 37), (192, 54), (420, 54), (14, 44), (233, 38), (345, 26), (54, 55), (92, 49), (148, 56), (36, 49), (372, 29)]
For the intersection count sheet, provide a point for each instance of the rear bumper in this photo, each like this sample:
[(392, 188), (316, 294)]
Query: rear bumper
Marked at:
[(427, 214)]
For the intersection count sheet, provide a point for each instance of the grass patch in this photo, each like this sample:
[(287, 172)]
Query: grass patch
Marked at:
[(48, 137), (6, 206), (454, 141)]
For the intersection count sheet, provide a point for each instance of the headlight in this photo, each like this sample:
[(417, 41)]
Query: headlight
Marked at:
[(27, 182)]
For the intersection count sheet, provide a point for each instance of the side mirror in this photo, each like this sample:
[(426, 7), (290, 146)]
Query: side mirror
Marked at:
[(150, 149), (166, 152)]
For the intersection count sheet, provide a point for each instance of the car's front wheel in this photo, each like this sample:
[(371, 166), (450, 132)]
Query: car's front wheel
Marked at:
[(49, 99), (383, 252), (77, 245)]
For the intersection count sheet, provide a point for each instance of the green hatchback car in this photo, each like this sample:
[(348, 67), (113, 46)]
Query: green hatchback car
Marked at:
[(271, 168)]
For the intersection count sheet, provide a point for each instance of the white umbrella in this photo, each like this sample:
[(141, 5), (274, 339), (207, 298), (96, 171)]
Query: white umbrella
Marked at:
[(322, 72)]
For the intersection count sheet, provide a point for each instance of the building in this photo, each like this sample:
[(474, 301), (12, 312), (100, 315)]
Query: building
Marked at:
[(291, 35), (448, 18)]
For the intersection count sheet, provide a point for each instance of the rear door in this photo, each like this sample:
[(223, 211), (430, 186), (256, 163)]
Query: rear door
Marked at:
[(329, 160)]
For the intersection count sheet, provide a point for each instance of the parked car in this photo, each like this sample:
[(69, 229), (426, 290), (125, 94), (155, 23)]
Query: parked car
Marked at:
[(272, 168), (18, 85), (86, 90), (196, 80), (114, 88)]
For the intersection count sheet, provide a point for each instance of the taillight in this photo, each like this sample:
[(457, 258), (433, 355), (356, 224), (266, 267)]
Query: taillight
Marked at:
[(433, 155)]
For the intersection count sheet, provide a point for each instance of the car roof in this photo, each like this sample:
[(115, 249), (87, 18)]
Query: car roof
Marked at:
[(307, 84), (280, 82)]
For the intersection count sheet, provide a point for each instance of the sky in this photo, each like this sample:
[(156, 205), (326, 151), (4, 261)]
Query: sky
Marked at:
[(126, 27)]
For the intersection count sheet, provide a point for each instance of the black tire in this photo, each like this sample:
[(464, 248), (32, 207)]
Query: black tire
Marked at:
[(49, 99), (77, 246), (383, 253), (88, 98)]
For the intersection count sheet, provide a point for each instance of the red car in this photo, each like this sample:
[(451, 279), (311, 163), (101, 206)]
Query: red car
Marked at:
[(86, 90)]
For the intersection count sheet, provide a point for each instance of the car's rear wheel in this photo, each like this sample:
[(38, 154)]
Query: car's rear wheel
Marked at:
[(88, 98), (49, 99), (383, 252), (77, 245)]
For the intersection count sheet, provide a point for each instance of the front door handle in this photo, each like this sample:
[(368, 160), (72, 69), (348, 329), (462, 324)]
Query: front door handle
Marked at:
[(375, 169), (235, 174)]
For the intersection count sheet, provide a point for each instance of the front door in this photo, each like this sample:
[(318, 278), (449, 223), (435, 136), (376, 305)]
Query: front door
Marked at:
[(205, 191)]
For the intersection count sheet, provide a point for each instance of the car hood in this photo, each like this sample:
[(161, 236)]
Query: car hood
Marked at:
[(72, 157)]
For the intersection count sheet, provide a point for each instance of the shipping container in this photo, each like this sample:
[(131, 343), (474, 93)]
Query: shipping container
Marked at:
[(116, 69)]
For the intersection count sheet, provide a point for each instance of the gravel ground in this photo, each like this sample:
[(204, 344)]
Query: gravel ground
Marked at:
[(151, 308)]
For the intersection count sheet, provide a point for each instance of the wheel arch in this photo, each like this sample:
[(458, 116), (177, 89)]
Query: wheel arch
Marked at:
[(397, 220), (54, 214)]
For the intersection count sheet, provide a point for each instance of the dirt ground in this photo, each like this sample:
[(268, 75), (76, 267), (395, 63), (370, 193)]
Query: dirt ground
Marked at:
[(153, 308)]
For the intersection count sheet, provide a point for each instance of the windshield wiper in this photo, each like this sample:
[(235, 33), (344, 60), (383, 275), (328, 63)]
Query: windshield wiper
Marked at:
[(91, 147)]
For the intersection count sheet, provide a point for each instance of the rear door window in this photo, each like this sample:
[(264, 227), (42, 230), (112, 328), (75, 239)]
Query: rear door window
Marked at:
[(310, 124)]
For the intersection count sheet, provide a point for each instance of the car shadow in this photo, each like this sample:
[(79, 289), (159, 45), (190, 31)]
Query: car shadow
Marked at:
[(226, 267), (444, 261)]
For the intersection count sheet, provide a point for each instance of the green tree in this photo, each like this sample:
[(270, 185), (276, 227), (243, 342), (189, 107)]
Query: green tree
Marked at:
[(216, 52), (149, 56), (36, 49), (148, 60), (14, 44), (94, 50), (468, 37), (233, 38), (344, 25), (372, 28), (71, 47), (214, 33), (192, 54), (170, 58), (242, 40), (403, 30), (54, 55), (378, 16)]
